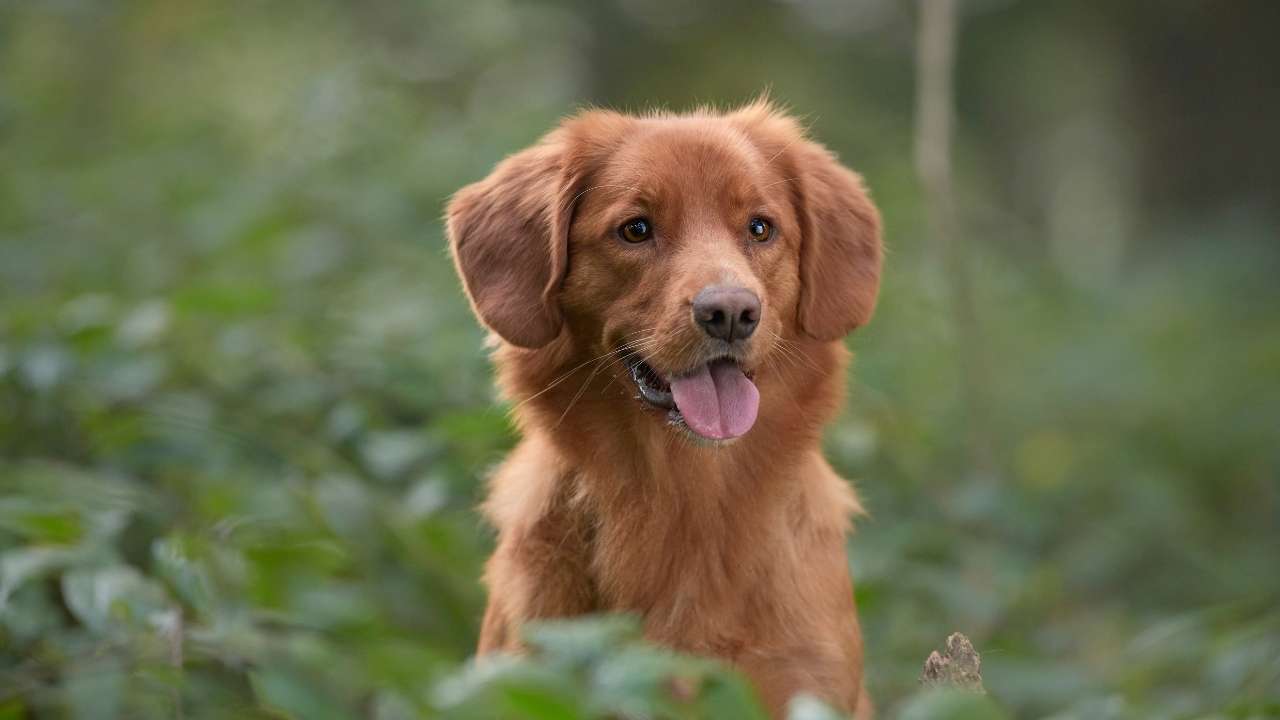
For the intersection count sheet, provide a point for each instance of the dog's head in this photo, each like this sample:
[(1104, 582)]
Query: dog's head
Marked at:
[(692, 248)]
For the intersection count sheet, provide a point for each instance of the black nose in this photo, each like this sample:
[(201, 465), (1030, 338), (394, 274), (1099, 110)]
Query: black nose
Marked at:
[(727, 313)]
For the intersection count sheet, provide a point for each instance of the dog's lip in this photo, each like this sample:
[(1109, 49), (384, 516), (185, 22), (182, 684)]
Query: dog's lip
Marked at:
[(655, 387)]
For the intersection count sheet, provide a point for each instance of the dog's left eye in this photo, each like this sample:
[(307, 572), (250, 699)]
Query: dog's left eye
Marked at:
[(760, 229), (636, 230)]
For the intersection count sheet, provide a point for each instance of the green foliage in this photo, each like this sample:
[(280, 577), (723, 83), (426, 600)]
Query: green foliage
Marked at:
[(245, 411), (595, 668), (951, 705)]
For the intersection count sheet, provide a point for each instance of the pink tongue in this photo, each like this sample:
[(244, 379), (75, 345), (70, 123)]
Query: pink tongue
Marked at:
[(717, 401)]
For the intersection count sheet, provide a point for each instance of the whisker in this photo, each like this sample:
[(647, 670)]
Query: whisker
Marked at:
[(793, 349), (578, 394), (790, 381), (566, 375), (633, 346), (785, 148), (603, 185), (779, 182)]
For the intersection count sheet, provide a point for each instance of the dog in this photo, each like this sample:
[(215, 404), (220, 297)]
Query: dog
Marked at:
[(668, 296)]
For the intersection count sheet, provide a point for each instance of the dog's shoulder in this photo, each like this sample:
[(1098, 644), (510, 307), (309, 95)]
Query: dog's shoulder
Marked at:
[(824, 502), (524, 486), (533, 485)]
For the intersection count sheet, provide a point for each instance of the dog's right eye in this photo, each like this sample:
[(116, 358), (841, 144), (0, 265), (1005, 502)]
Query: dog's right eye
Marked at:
[(635, 231)]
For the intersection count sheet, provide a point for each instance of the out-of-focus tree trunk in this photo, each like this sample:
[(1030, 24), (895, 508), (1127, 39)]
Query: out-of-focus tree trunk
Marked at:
[(935, 60)]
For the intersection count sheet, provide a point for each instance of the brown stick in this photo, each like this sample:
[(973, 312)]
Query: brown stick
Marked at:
[(959, 666)]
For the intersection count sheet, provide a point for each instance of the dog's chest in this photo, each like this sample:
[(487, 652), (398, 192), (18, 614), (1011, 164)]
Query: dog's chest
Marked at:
[(696, 579)]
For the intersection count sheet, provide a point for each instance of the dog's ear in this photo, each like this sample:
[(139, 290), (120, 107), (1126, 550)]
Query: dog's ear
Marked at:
[(508, 234), (840, 246)]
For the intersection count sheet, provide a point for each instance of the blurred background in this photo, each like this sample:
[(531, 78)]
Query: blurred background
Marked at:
[(245, 411)]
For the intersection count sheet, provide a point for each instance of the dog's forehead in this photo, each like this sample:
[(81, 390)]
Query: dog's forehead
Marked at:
[(686, 154)]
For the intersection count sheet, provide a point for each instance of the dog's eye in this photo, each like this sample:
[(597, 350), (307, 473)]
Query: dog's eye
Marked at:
[(635, 231), (760, 229)]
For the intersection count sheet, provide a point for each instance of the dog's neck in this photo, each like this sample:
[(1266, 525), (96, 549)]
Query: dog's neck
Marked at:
[(587, 408)]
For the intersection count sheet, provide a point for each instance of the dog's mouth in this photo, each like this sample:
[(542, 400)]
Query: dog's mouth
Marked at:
[(717, 400)]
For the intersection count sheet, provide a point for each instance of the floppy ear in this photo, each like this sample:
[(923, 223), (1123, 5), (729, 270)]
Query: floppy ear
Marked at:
[(509, 238), (840, 246)]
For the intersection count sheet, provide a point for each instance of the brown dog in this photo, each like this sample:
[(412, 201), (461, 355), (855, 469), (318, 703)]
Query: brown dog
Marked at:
[(669, 294)]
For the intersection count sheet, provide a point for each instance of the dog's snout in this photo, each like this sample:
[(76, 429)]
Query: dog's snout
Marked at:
[(727, 313)]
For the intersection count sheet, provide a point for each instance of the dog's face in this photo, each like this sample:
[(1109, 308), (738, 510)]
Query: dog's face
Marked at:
[(692, 248)]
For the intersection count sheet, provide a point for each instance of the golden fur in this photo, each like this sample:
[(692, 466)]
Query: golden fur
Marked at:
[(734, 549)]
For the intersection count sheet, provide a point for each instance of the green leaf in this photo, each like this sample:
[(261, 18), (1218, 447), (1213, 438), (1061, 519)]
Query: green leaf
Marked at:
[(290, 695), (729, 695), (582, 640), (22, 564), (946, 704), (113, 598), (185, 575), (94, 690), (508, 686), (40, 523)]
